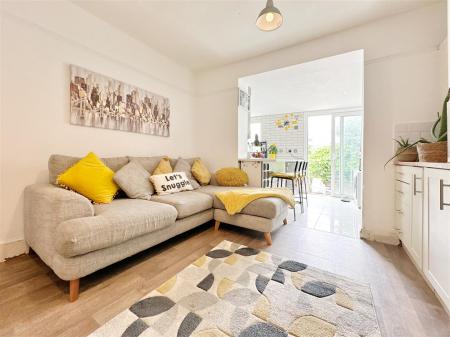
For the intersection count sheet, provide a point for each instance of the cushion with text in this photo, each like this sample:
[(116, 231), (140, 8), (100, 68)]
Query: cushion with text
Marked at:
[(171, 183)]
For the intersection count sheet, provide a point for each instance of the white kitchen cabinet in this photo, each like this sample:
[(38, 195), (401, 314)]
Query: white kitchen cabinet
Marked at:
[(436, 238), (409, 210), (403, 205)]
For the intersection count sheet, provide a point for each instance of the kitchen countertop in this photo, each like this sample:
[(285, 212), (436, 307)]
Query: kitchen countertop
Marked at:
[(445, 166)]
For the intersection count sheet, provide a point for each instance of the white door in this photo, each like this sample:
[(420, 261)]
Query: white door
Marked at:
[(437, 232)]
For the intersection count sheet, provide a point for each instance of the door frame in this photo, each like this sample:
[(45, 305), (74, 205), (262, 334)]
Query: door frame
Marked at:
[(353, 111)]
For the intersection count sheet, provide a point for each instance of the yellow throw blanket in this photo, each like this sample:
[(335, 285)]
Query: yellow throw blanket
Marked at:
[(235, 200)]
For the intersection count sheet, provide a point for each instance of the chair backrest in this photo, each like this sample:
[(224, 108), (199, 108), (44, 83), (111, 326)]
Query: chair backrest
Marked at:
[(298, 166), (304, 168)]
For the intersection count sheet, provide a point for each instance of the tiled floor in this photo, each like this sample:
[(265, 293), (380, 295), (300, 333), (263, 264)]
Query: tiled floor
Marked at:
[(330, 214)]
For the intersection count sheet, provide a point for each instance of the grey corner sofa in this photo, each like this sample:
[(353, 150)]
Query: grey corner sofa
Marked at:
[(75, 237)]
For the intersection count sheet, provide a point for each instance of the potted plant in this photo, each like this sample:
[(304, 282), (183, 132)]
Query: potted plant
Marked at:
[(272, 151), (406, 152), (436, 152)]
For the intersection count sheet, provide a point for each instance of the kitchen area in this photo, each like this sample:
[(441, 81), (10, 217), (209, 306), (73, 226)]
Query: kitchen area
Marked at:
[(306, 121)]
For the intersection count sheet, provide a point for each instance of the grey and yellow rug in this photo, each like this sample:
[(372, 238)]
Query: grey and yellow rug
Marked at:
[(238, 291)]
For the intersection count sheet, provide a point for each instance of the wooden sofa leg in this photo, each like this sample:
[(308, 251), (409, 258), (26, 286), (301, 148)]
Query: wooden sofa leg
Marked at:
[(217, 225), (74, 290), (285, 222), (268, 238)]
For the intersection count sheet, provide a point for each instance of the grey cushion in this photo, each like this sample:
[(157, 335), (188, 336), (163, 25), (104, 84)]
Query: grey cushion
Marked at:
[(58, 164), (183, 165), (269, 208), (113, 223), (186, 203), (134, 180)]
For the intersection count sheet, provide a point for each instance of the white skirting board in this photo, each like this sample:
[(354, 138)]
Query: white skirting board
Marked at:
[(11, 249)]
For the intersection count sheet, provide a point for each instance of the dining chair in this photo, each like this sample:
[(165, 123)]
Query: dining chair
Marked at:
[(284, 177)]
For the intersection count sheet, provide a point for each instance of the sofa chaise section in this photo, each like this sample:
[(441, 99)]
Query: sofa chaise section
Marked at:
[(263, 215)]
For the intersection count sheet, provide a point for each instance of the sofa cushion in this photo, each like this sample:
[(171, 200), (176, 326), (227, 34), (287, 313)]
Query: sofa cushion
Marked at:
[(183, 165), (134, 180), (58, 164), (268, 208), (91, 178), (231, 176), (163, 167), (200, 172), (187, 203), (113, 223), (171, 183)]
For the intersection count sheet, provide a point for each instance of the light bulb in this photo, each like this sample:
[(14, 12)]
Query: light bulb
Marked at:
[(269, 17)]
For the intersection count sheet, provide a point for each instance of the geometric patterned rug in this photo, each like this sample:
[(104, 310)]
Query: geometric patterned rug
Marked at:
[(238, 291)]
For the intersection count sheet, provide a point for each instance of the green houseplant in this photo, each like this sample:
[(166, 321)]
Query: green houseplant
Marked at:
[(437, 151), (272, 151), (405, 151)]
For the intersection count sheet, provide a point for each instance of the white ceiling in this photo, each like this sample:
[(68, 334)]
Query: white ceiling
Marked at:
[(326, 84), (209, 33)]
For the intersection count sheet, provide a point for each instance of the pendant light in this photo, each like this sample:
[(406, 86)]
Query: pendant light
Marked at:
[(270, 18)]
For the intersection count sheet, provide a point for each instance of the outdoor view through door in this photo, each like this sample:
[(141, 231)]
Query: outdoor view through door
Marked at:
[(334, 153)]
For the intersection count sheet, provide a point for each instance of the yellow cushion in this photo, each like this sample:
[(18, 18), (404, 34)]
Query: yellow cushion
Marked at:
[(163, 167), (200, 172), (283, 175), (91, 178), (231, 176)]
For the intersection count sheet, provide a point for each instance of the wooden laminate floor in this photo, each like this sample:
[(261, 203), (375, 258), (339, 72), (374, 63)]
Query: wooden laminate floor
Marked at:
[(34, 302)]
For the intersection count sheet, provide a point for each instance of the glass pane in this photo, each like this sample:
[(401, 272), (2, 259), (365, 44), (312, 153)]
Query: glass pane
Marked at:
[(351, 160), (319, 153), (337, 156)]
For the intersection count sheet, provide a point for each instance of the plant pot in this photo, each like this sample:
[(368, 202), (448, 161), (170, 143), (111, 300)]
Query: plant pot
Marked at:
[(433, 152), (272, 156), (409, 155)]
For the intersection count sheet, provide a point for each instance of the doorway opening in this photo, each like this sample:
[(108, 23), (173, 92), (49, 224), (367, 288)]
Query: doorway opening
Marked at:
[(310, 113)]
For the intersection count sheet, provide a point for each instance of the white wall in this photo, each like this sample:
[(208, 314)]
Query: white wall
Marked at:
[(39, 40), (292, 139), (402, 72)]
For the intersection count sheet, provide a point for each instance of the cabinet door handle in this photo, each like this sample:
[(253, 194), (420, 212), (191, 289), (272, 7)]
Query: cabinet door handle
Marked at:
[(398, 191), (415, 185), (442, 203)]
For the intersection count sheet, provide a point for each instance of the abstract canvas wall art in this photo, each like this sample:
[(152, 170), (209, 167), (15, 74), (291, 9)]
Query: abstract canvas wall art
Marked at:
[(102, 102)]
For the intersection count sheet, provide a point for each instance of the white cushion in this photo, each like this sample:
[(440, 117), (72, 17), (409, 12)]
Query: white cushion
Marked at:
[(171, 183)]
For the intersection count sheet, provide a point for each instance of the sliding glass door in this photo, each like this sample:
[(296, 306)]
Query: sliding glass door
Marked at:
[(334, 152)]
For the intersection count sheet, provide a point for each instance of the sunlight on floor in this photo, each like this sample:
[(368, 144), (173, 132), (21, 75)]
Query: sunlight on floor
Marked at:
[(330, 214)]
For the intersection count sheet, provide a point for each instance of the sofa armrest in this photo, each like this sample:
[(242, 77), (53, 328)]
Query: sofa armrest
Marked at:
[(46, 206)]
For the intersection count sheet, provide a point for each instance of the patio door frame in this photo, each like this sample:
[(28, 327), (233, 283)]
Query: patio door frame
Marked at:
[(334, 113)]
